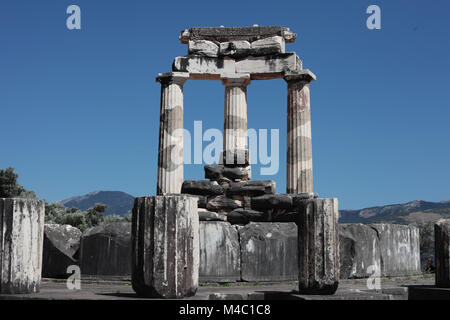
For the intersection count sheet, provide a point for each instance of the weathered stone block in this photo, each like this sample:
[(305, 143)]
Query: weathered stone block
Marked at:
[(399, 249), (201, 67), (214, 172), (271, 45), (61, 245), (442, 253), (245, 200), (106, 250), (269, 251), (252, 188), (244, 216), (281, 215), (21, 243), (235, 48), (237, 173), (201, 187), (359, 249), (165, 246), (272, 201), (205, 215), (222, 204), (203, 48), (297, 198), (223, 34), (201, 200), (220, 259), (272, 66), (318, 246), (217, 172)]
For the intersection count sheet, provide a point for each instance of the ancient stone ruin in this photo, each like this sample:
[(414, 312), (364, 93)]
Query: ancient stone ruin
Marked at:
[(227, 227), (236, 56)]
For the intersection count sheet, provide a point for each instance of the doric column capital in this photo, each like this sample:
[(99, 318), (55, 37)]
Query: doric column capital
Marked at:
[(173, 77), (235, 80), (302, 76)]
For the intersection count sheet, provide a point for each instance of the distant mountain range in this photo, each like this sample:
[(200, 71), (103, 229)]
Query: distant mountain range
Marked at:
[(118, 202), (415, 211)]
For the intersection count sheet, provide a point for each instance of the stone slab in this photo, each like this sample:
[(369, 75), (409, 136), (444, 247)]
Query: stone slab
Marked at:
[(61, 249), (217, 172), (205, 215), (235, 49), (399, 249), (270, 66), (219, 252), (224, 34), (359, 248), (268, 46), (204, 68), (269, 252), (243, 216), (251, 188), (274, 66), (203, 48), (222, 204), (272, 201), (106, 250), (201, 187)]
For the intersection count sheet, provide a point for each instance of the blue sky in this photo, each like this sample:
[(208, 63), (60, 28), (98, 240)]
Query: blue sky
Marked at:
[(79, 109)]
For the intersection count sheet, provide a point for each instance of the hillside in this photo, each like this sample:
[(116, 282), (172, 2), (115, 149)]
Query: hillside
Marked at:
[(414, 211), (118, 202)]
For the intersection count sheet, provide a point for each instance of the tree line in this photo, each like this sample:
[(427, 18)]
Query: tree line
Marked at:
[(56, 212)]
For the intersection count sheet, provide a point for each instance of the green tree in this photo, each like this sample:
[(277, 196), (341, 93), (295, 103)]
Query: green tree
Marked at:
[(9, 188), (96, 214), (57, 213)]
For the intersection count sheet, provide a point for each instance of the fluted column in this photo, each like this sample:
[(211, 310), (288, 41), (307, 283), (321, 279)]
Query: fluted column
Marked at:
[(21, 243), (235, 145), (165, 246), (299, 171), (170, 151)]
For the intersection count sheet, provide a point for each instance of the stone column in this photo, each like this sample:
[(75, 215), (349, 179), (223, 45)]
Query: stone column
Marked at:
[(235, 147), (21, 243), (170, 152), (318, 246), (299, 173), (442, 253), (165, 246)]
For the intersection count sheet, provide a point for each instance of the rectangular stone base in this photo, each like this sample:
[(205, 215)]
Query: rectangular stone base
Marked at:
[(269, 252), (220, 257)]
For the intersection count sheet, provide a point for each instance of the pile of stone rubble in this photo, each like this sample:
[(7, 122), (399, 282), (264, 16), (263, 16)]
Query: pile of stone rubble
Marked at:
[(229, 195)]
